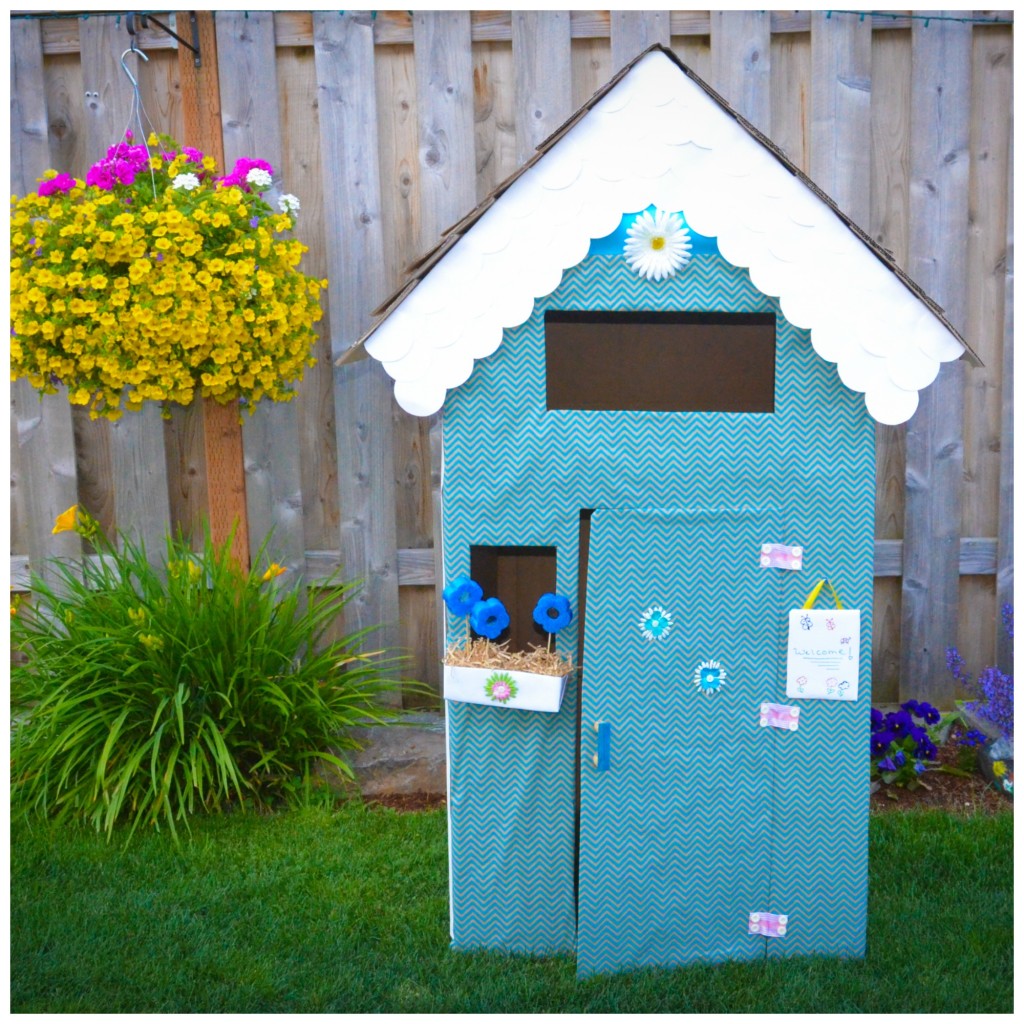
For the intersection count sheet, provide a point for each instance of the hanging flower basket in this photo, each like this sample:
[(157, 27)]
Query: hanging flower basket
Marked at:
[(154, 279)]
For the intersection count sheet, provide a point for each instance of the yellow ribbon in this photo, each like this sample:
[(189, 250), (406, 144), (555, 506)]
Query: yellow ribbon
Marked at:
[(813, 595)]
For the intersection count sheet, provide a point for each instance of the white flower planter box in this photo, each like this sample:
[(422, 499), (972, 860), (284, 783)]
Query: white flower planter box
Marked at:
[(501, 688)]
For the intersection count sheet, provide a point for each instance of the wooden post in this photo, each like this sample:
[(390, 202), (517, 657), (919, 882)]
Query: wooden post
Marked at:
[(222, 427)]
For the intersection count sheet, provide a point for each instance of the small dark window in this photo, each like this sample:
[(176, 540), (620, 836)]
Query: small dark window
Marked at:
[(517, 576), (660, 362)]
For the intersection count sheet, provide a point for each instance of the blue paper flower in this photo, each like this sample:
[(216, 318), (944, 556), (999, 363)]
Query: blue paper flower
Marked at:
[(489, 618), (461, 595), (552, 613), (708, 676)]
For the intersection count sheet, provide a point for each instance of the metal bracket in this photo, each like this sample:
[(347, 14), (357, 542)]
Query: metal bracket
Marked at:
[(145, 19)]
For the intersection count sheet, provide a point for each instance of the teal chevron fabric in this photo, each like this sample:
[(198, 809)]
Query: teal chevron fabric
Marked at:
[(675, 839), (516, 474)]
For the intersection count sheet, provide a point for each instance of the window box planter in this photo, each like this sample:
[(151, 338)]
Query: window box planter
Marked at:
[(504, 688)]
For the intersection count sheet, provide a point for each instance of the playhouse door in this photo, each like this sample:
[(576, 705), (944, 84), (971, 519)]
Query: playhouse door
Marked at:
[(675, 820)]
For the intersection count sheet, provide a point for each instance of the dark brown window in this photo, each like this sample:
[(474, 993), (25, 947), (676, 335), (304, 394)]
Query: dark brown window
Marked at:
[(517, 576), (660, 362)]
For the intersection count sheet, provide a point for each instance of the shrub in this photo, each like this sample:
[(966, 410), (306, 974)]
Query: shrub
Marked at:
[(152, 693)]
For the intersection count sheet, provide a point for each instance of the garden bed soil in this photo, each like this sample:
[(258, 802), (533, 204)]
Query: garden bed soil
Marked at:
[(945, 792)]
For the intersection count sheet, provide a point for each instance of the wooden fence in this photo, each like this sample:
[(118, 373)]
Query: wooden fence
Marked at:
[(391, 126)]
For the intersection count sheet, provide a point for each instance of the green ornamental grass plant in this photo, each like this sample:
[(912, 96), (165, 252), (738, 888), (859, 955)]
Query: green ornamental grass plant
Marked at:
[(151, 693)]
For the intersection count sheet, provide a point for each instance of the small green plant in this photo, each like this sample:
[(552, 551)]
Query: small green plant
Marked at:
[(150, 693)]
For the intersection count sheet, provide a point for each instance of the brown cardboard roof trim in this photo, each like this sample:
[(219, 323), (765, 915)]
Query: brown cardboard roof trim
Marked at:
[(422, 266)]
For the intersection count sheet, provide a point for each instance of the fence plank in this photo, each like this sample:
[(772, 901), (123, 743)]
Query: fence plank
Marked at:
[(541, 47), (633, 31), (591, 68), (1004, 557), (138, 460), (791, 96), (444, 82), (939, 123), (251, 127), (43, 463), (741, 63), (841, 111), (494, 115), (343, 49)]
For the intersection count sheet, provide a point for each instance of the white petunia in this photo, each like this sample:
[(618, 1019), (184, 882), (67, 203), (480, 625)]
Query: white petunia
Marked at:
[(288, 203), (185, 181), (657, 245), (259, 178)]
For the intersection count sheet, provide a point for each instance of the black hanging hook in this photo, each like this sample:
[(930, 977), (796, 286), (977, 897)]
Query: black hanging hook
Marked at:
[(145, 19)]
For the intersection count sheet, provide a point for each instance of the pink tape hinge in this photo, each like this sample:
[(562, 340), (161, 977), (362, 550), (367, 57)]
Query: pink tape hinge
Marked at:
[(772, 925), (781, 556)]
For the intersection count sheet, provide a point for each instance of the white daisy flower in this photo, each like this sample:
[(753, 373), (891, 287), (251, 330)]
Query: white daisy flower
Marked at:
[(185, 181), (288, 203), (657, 245), (259, 178)]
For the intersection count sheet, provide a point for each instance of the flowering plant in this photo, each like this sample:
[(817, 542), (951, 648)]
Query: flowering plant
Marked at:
[(992, 691), (902, 748), (154, 278)]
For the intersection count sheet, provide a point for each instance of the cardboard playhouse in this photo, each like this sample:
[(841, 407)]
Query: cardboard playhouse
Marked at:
[(661, 353)]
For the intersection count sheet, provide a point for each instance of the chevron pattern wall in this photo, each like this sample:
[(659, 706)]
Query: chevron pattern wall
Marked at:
[(517, 474)]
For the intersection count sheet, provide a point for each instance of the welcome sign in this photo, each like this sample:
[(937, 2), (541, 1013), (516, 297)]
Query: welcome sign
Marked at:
[(823, 656)]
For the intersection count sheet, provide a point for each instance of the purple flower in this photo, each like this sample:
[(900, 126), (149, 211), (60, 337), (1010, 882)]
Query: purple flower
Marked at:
[(926, 749), (880, 742), (254, 222), (1007, 614), (973, 738), (930, 714), (877, 720), (911, 706), (956, 664), (886, 765), (920, 767), (900, 758), (899, 723)]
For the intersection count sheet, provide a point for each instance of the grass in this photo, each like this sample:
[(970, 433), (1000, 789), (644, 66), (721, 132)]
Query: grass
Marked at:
[(347, 911)]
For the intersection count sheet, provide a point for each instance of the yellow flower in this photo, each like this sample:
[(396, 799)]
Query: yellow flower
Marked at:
[(137, 615), (999, 768), (273, 572), (65, 521), (153, 643)]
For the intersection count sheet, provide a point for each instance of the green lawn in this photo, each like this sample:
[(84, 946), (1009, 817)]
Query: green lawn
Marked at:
[(347, 911)]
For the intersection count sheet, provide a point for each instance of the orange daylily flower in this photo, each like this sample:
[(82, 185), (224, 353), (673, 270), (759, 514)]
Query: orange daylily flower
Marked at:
[(66, 520), (274, 571)]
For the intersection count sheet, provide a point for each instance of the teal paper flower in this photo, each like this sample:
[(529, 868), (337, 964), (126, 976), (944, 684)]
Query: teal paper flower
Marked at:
[(552, 613), (655, 623), (489, 618), (709, 676)]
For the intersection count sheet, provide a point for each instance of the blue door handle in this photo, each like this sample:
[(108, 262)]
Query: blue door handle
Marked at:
[(603, 757)]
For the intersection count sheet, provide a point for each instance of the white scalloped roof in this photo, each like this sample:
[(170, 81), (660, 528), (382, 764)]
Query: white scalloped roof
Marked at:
[(658, 138)]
